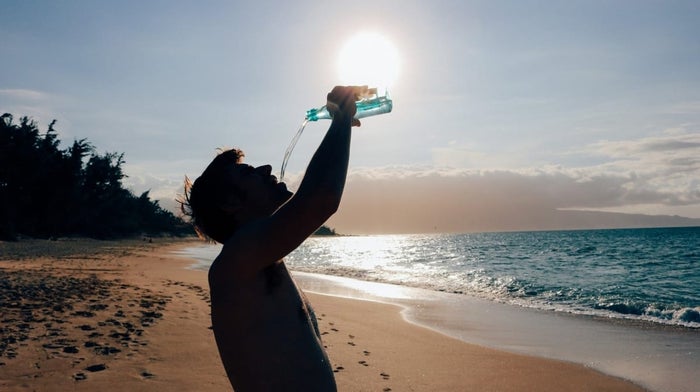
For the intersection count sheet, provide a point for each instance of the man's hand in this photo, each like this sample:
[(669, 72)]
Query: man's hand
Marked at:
[(341, 102)]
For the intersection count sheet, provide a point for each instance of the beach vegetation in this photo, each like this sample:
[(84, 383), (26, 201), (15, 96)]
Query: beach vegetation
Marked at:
[(49, 192), (325, 231)]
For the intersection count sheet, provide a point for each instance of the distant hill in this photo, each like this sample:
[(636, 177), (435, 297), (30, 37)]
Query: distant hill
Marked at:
[(582, 220)]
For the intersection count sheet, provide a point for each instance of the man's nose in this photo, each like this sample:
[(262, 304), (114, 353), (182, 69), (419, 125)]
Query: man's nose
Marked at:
[(265, 170)]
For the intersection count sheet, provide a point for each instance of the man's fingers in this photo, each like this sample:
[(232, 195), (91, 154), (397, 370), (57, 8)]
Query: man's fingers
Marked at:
[(342, 94)]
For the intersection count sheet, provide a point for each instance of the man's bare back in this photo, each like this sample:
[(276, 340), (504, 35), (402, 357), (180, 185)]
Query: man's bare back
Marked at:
[(260, 325)]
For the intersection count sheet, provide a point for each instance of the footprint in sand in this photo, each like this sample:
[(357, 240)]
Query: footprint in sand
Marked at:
[(96, 368), (70, 350), (79, 376)]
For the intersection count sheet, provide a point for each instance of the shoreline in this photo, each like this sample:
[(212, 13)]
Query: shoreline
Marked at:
[(657, 357), (416, 358), (147, 304)]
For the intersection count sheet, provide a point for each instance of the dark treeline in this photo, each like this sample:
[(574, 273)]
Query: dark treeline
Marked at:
[(48, 192), (325, 231)]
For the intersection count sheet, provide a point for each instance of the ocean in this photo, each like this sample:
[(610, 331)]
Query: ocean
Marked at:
[(640, 274), (625, 302)]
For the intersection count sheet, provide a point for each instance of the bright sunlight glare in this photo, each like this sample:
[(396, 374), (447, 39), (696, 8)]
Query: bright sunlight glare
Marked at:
[(368, 59)]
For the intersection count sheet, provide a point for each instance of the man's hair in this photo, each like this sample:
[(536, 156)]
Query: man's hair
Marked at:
[(202, 200)]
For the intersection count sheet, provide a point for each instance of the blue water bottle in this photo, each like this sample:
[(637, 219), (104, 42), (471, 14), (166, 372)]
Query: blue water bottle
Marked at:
[(369, 104)]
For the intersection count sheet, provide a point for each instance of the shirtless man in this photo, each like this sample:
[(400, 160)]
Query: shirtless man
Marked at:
[(265, 329)]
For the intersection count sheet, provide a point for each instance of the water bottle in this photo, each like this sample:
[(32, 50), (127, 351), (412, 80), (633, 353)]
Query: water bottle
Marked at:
[(369, 104)]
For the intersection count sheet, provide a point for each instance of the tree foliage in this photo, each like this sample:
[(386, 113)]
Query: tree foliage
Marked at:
[(48, 192), (325, 231)]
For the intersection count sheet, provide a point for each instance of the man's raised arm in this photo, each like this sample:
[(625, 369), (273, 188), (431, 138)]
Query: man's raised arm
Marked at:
[(319, 194), (325, 176)]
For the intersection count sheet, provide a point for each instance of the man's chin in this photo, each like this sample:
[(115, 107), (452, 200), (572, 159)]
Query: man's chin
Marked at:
[(285, 194)]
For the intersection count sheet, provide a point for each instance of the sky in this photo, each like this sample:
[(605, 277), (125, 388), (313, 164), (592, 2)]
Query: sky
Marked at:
[(502, 109)]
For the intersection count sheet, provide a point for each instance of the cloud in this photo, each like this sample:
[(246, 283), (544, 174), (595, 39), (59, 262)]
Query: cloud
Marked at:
[(163, 180), (668, 164), (41, 106), (24, 94), (670, 144), (420, 200), (654, 174)]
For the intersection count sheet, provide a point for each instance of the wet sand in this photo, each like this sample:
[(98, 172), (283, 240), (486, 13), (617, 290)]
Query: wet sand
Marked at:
[(85, 315)]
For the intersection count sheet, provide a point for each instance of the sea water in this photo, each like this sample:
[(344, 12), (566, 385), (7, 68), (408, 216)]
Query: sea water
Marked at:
[(625, 302), (644, 274)]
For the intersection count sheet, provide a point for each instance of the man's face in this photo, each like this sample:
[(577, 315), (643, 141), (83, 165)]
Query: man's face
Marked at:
[(262, 194)]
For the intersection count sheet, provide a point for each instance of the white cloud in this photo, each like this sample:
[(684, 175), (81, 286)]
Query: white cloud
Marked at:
[(670, 144), (667, 164), (420, 200), (40, 106), (650, 175), (23, 94), (653, 175), (163, 180)]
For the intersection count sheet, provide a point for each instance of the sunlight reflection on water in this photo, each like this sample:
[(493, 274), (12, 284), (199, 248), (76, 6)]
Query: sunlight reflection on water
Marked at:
[(353, 288), (584, 272)]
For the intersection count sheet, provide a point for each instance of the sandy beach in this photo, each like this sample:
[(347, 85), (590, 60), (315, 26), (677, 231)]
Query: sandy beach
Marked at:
[(85, 315)]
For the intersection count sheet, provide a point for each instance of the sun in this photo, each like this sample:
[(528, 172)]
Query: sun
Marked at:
[(368, 58)]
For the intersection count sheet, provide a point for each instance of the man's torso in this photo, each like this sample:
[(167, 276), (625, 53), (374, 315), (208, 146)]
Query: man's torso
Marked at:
[(267, 333)]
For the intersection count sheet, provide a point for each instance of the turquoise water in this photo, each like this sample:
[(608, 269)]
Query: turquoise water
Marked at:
[(647, 274)]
